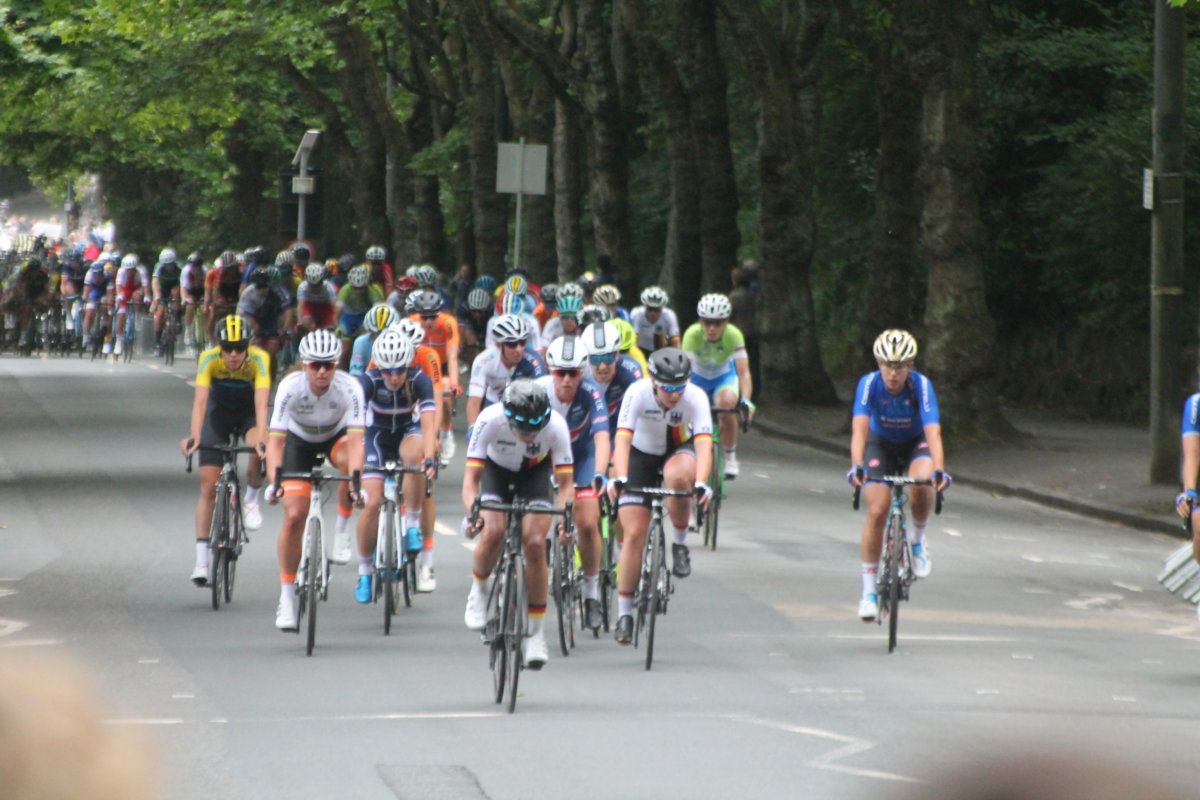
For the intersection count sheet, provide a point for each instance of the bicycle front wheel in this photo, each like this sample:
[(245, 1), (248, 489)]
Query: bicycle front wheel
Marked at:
[(312, 580), (893, 582), (658, 585), (607, 573), (515, 634), (391, 565), (559, 590), (218, 536)]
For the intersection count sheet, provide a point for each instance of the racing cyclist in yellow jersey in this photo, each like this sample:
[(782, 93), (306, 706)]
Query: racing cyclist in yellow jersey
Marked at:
[(233, 382)]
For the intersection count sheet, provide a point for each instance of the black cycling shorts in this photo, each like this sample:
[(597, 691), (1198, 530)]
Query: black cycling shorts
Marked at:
[(219, 423), (883, 457), (646, 470), (301, 456), (500, 485)]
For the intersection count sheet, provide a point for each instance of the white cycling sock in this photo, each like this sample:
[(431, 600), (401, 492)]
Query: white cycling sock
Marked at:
[(535, 625), (251, 495), (287, 591), (680, 534), (591, 587), (202, 552), (918, 533), (341, 524), (479, 586), (624, 605), (366, 565), (869, 571), (412, 519), (425, 559), (729, 451)]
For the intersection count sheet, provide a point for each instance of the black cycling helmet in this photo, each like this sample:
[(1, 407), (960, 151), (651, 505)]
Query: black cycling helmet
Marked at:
[(427, 303), (549, 294), (194, 258), (527, 406), (260, 278), (301, 252), (670, 365), (233, 330)]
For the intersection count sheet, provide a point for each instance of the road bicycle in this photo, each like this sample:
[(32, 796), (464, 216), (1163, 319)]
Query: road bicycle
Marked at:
[(395, 567), (608, 560), (566, 587), (716, 477), (172, 325), (226, 532), (508, 598), (101, 325), (895, 576), (312, 577)]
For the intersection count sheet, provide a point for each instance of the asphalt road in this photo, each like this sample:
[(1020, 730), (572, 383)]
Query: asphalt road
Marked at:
[(1036, 629)]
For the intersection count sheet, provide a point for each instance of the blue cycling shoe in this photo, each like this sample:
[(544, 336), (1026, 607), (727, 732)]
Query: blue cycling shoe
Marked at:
[(362, 592), (413, 541)]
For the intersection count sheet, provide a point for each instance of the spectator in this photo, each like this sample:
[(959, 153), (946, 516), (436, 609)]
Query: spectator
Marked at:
[(744, 299)]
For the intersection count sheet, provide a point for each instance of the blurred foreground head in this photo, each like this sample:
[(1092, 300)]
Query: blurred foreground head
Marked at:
[(54, 745)]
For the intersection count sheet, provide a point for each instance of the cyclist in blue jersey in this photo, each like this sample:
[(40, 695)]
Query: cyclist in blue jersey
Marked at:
[(896, 430), (611, 370), (581, 404), (1186, 503), (379, 318)]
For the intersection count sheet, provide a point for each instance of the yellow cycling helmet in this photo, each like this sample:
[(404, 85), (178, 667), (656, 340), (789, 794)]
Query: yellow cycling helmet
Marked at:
[(233, 330), (628, 336)]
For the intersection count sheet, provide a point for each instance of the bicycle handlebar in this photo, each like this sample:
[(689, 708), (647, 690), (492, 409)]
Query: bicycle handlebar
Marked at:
[(217, 448), (394, 469), (743, 415), (903, 480)]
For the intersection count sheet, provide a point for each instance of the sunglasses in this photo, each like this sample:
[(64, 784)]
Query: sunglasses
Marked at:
[(566, 373), (674, 388), (233, 348), (393, 371), (321, 366), (712, 323), (894, 366), (607, 358), (513, 345), (533, 421)]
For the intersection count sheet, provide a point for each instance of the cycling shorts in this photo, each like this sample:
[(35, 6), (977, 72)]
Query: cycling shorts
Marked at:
[(383, 446), (219, 423), (646, 470), (302, 456), (500, 485), (883, 457), (321, 313), (350, 325), (712, 386)]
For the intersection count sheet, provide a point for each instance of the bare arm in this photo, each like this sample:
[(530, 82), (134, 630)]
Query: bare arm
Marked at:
[(745, 384), (860, 428)]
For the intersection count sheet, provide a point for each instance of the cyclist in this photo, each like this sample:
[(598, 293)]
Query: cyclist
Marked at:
[(381, 271), (164, 285), (473, 318), (28, 296), (266, 304), (580, 402), (131, 286), (233, 383), (565, 322), (72, 288), (191, 280), (664, 429), (222, 287), (401, 425), (318, 411), (609, 296), (895, 430), (629, 345), (316, 299), (441, 333), (513, 304), (96, 286), (510, 455), (613, 372), (655, 324), (721, 368), (428, 280), (301, 258), (353, 301), (495, 367), (378, 319)]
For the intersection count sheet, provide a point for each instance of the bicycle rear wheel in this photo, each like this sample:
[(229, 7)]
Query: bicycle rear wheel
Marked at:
[(391, 564), (231, 547), (657, 585), (312, 579), (497, 624), (892, 573), (515, 634)]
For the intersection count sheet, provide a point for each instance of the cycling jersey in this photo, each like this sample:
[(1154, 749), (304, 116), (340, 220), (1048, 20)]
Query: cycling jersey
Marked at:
[(96, 284), (168, 276), (554, 329), (128, 281), (443, 336), (1191, 416), (233, 389), (358, 301), (227, 283), (586, 415), (653, 335), (264, 306), (489, 374), (493, 440), (425, 359), (713, 359), (381, 273), (360, 353), (317, 418), (533, 342), (76, 275), (656, 429), (396, 411), (897, 417), (191, 279), (627, 373)]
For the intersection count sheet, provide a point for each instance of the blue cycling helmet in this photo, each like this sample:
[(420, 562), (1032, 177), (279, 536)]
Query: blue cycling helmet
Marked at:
[(569, 304), (486, 282)]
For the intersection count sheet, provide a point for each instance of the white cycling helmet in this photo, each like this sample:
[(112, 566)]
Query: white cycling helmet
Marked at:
[(392, 350), (601, 339), (359, 276), (895, 345), (654, 297), (129, 262), (376, 253), (320, 345), (607, 295), (167, 256), (411, 329), (426, 276), (566, 352), (570, 290), (380, 317), (714, 306), (512, 304), (510, 328), (315, 274)]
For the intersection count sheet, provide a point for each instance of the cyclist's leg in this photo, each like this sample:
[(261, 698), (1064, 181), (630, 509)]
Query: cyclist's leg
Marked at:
[(920, 466), (679, 472), (415, 513)]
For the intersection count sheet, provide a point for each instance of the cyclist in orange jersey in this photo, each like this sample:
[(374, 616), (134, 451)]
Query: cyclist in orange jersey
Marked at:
[(441, 333)]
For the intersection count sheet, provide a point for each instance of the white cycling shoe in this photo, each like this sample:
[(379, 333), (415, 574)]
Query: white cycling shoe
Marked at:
[(475, 615), (534, 651), (921, 565), (448, 446), (286, 614), (200, 575), (341, 547), (731, 466), (426, 583), (252, 516), (868, 608)]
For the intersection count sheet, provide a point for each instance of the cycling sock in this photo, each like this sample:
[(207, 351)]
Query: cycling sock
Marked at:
[(412, 519), (918, 533), (343, 521), (251, 495), (624, 604), (287, 591), (591, 587), (479, 585), (869, 571), (202, 552), (680, 534), (537, 615), (730, 451), (366, 565), (426, 558)]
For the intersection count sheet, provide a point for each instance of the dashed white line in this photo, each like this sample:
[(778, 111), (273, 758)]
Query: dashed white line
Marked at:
[(32, 643), (957, 534), (1123, 698), (1034, 559), (444, 529), (1022, 656), (1129, 587), (988, 692), (147, 660), (183, 696)]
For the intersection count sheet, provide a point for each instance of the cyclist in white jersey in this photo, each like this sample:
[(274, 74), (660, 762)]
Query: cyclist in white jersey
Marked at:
[(515, 304), (664, 425), (508, 359), (318, 411), (656, 325), (514, 446)]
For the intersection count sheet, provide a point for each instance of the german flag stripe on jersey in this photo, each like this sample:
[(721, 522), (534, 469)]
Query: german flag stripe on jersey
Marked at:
[(477, 463)]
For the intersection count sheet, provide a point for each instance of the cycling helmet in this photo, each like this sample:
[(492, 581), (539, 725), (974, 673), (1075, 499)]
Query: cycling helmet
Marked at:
[(426, 276), (376, 253), (228, 259), (260, 278), (486, 282), (516, 285), (588, 280), (607, 295), (566, 352), (194, 258), (241, 257), (359, 276), (628, 336), (411, 329), (315, 274), (284, 259), (895, 345), (392, 350), (602, 338), (167, 256), (590, 314), (569, 305), (320, 345), (233, 330), (300, 252), (129, 262), (256, 254), (654, 297), (510, 328), (714, 306), (411, 271), (550, 294), (410, 304), (478, 299), (527, 406), (275, 275), (380, 317), (512, 303), (427, 303), (670, 365)]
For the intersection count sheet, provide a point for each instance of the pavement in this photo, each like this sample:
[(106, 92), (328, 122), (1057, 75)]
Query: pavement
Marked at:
[(1096, 469)]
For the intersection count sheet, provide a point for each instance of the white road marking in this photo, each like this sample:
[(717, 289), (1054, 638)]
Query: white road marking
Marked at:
[(32, 643), (1034, 559), (1129, 587), (761, 475), (183, 696), (10, 626), (1121, 698), (1022, 656), (823, 690), (1036, 590), (988, 692), (7, 592), (144, 721), (444, 529), (147, 660), (218, 721), (928, 638), (957, 534), (470, 544), (850, 746)]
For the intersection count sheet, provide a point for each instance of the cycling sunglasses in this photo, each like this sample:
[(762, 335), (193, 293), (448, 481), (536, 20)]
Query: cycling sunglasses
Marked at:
[(565, 373), (321, 366), (712, 323), (531, 421), (393, 370), (234, 348), (671, 388), (514, 345), (604, 358)]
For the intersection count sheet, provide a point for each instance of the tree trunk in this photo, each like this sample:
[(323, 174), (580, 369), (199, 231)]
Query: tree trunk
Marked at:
[(430, 224), (567, 165), (960, 334), (539, 234), (252, 214)]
